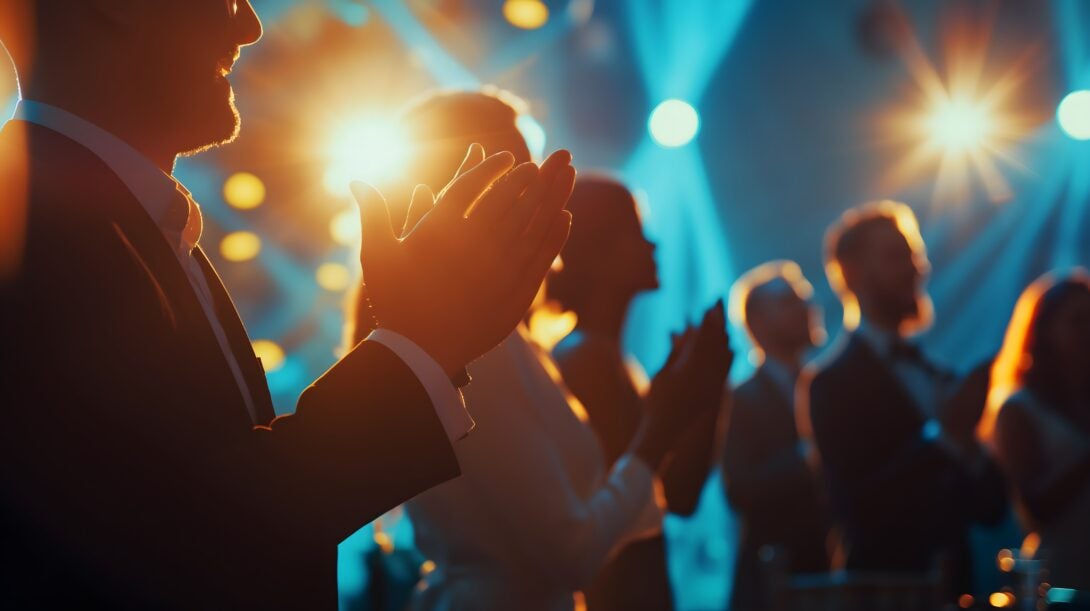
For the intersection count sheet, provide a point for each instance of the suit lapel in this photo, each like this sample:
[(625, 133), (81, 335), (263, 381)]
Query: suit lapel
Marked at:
[(151, 250), (881, 376), (252, 369)]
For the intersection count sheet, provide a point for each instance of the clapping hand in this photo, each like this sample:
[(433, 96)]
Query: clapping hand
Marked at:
[(689, 385), (470, 260)]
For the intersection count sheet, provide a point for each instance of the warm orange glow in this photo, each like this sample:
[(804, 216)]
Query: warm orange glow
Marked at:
[(526, 14), (1001, 600), (244, 191), (345, 227), (1005, 560), (333, 277), (965, 601), (549, 365), (548, 326), (240, 246), (384, 542), (13, 203), (960, 124), (1030, 545), (1011, 360), (270, 353), (427, 568)]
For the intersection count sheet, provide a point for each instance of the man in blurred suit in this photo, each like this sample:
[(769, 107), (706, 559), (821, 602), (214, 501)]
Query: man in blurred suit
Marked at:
[(895, 432), (767, 478), (140, 462)]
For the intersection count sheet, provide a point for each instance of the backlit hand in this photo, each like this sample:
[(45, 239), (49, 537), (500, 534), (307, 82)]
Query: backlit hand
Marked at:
[(464, 274)]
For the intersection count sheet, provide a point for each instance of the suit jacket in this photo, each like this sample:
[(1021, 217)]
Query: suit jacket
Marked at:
[(770, 485), (901, 500), (131, 474)]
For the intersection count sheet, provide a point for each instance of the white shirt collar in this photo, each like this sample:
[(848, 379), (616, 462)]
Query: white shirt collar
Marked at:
[(152, 187)]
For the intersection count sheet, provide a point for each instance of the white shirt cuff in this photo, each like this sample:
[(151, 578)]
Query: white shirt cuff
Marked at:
[(449, 404)]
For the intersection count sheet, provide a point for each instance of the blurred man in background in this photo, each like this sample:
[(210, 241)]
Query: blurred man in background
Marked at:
[(895, 432), (767, 478)]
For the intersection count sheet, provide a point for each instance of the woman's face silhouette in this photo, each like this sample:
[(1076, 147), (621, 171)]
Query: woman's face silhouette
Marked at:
[(628, 256)]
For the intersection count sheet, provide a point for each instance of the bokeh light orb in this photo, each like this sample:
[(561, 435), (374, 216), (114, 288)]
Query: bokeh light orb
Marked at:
[(333, 276), (674, 123), (526, 14), (1073, 114), (244, 191), (344, 228), (240, 246), (270, 353)]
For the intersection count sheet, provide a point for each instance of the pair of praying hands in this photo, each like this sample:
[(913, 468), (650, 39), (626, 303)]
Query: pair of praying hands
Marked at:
[(465, 267)]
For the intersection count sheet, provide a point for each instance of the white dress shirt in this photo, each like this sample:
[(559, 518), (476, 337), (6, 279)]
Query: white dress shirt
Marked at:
[(158, 192), (537, 511)]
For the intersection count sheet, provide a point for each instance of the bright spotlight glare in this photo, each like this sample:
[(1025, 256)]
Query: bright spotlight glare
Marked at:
[(371, 150), (1073, 114), (959, 126), (674, 123)]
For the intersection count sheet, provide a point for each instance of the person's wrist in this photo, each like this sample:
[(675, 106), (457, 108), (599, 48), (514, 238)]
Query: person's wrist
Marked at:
[(436, 348), (650, 447)]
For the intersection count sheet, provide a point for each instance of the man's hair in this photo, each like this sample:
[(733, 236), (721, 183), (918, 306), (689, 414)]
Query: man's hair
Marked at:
[(747, 288), (473, 116), (846, 241)]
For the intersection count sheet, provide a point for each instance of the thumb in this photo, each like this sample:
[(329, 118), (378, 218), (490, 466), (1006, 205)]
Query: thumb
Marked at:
[(376, 231)]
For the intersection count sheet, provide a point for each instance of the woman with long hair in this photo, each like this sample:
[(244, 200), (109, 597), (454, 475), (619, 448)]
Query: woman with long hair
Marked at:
[(1039, 420), (607, 262)]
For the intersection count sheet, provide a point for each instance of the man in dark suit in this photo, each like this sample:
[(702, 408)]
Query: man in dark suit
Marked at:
[(140, 463), (767, 477), (894, 431)]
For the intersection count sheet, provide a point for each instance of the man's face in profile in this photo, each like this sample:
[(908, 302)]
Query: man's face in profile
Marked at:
[(186, 51), (893, 272)]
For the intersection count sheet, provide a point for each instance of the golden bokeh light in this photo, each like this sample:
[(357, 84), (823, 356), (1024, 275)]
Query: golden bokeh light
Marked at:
[(1001, 600), (526, 14), (344, 228), (240, 246), (333, 276), (244, 191), (270, 353), (1005, 560)]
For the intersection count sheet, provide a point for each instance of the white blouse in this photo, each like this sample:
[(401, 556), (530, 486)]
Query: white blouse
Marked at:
[(536, 512)]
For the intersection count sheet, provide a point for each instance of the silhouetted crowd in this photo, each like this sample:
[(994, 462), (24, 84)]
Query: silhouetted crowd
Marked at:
[(142, 465)]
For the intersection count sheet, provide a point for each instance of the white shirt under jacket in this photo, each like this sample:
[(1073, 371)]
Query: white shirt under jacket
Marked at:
[(537, 511)]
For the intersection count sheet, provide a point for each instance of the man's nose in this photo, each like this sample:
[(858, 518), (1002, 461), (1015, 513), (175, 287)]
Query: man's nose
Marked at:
[(246, 26)]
